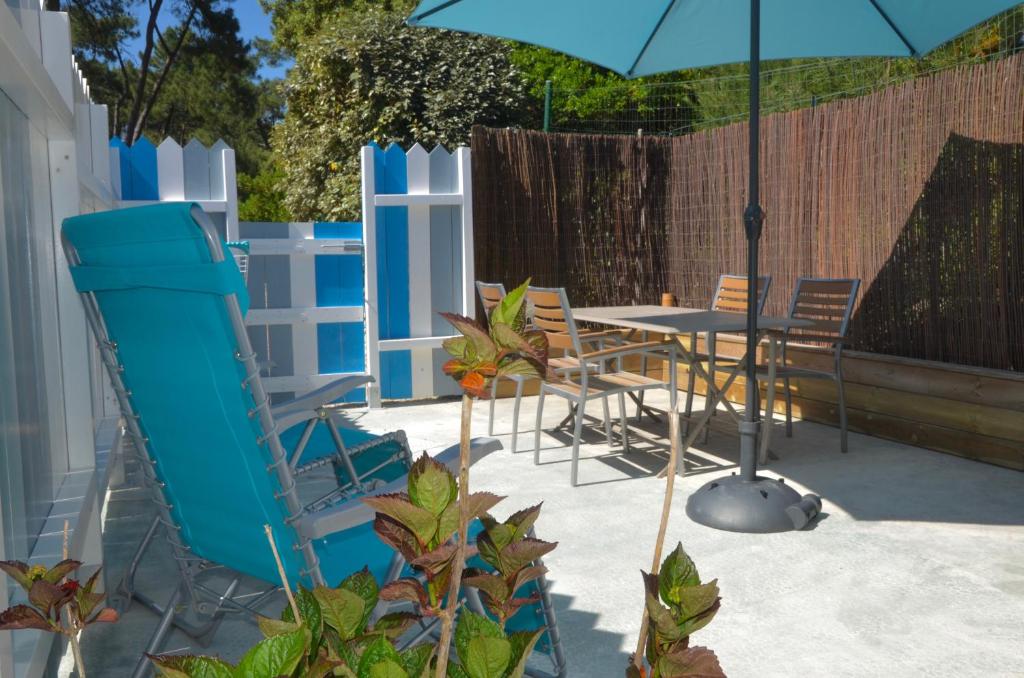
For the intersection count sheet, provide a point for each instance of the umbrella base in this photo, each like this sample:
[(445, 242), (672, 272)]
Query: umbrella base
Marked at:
[(760, 505)]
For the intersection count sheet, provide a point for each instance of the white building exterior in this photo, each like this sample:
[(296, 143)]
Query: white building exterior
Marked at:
[(54, 418)]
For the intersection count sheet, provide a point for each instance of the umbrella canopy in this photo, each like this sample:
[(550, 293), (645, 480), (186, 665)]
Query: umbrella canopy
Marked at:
[(644, 37)]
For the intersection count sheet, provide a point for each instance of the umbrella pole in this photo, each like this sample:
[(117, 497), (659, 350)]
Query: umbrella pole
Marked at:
[(753, 220), (748, 502)]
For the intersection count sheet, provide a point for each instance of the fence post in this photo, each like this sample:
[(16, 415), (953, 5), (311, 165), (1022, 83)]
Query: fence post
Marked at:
[(466, 190), (417, 169), (370, 313), (547, 105)]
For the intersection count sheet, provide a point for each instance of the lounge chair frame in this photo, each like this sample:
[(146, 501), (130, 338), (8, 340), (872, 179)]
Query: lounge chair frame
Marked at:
[(310, 523)]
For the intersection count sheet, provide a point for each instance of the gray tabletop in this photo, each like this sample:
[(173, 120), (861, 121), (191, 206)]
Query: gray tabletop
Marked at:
[(674, 320)]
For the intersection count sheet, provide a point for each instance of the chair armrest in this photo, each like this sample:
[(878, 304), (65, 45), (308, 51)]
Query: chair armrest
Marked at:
[(299, 409), (587, 337), (354, 512), (627, 349)]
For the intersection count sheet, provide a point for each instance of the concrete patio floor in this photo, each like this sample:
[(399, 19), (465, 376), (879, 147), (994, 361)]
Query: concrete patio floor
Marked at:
[(915, 567)]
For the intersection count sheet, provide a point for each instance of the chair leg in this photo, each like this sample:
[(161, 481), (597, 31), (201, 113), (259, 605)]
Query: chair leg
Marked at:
[(842, 414), (789, 408), (577, 432), (607, 423), (536, 429), (769, 421), (691, 382), (144, 667), (625, 426), (490, 421), (711, 381), (515, 413)]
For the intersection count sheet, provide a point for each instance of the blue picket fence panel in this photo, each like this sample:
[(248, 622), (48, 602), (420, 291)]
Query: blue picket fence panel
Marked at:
[(339, 282), (393, 271)]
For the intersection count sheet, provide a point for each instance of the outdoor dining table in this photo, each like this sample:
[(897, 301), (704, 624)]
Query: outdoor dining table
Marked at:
[(675, 322)]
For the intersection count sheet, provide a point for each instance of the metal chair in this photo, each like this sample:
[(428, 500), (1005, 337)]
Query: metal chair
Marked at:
[(553, 315), (828, 304), (166, 303), (731, 296)]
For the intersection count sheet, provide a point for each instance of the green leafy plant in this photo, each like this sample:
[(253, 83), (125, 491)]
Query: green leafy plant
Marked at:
[(505, 347), (678, 605), (56, 604), (333, 637), (420, 524), (329, 632)]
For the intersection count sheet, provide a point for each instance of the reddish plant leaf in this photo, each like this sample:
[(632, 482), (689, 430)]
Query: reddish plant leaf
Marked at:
[(419, 521), (436, 560), (105, 615), (479, 504), (397, 536), (406, 588), (47, 596), (521, 553), (523, 520), (490, 585), (479, 344), (693, 662), (475, 385), (23, 617)]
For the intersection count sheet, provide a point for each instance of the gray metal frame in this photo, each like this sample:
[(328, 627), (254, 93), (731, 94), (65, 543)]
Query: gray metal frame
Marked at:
[(310, 522), (578, 401)]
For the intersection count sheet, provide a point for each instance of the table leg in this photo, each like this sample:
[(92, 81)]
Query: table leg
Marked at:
[(769, 403)]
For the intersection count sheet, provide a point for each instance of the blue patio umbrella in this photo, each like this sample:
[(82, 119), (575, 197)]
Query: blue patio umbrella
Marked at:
[(643, 37)]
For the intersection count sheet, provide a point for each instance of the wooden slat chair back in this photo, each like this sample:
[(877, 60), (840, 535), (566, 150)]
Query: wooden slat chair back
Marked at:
[(490, 294), (825, 302), (550, 312), (731, 294)]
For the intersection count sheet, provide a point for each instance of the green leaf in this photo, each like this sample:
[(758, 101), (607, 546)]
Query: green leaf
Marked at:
[(486, 657), (342, 610), (522, 521), (511, 310), (692, 662), (309, 610), (431, 485), (471, 626), (386, 669), (378, 651), (419, 521), (191, 666), (696, 600), (275, 627), (61, 570), (364, 585), (677, 572), (522, 645), (275, 656), (18, 571), (661, 618), (416, 660), (394, 624)]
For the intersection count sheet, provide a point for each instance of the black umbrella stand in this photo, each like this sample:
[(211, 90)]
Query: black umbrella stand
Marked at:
[(748, 502)]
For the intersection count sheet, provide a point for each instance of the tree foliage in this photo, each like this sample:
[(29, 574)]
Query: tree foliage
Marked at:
[(367, 76)]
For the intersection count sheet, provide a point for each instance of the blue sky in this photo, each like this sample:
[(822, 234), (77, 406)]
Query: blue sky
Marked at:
[(254, 24)]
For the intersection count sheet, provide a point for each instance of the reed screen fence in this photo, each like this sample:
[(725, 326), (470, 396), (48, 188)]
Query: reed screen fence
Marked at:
[(918, 190)]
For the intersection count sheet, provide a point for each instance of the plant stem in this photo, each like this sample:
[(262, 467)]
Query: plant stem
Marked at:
[(666, 509), (462, 537), (280, 571), (76, 650)]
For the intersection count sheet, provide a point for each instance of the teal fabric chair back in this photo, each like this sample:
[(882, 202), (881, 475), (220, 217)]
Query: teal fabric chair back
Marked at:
[(164, 302)]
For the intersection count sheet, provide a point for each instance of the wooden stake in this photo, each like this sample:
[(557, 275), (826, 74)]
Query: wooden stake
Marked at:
[(448, 615), (284, 577), (666, 510)]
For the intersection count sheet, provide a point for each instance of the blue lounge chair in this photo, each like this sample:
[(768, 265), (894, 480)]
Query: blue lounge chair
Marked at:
[(167, 303)]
